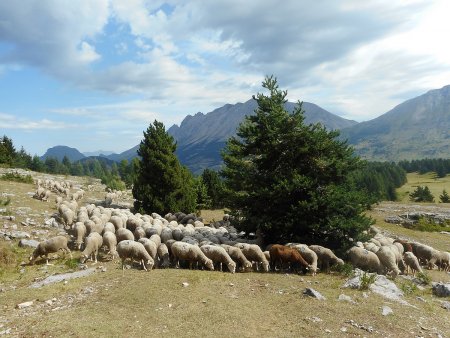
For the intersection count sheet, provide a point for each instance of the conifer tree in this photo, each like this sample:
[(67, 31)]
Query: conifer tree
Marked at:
[(161, 184), (289, 179), (444, 198)]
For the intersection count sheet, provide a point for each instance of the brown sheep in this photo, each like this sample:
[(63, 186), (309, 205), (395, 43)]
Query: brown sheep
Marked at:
[(283, 254)]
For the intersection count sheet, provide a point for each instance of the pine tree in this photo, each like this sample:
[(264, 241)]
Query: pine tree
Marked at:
[(444, 198), (289, 179), (161, 185), (421, 194), (214, 187)]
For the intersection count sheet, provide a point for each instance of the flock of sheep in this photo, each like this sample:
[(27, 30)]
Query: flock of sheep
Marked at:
[(184, 240)]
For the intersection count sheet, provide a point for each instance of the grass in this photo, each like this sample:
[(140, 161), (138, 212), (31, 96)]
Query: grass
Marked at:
[(435, 184), (136, 303)]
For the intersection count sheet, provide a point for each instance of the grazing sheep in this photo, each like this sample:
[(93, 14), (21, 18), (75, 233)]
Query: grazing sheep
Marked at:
[(254, 254), (443, 260), (93, 243), (412, 262), (110, 241), (135, 250), (117, 221), (237, 255), (370, 246), (150, 246), (308, 255), (190, 253), (267, 254), (155, 238), (163, 256), (80, 233), (51, 245), (406, 245), (388, 259), (365, 260), (285, 254), (166, 234), (123, 234), (325, 257), (427, 255), (139, 232), (109, 227), (218, 255), (68, 216)]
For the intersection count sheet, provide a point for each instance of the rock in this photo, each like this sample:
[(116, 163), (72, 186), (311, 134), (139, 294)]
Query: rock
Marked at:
[(346, 298), (28, 243), (24, 305), (63, 277), (9, 218), (421, 299), (19, 234), (441, 289), (445, 305), (386, 310), (313, 293), (185, 284)]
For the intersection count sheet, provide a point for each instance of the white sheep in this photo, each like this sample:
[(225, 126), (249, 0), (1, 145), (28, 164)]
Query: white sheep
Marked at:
[(325, 257), (254, 254), (51, 245), (163, 256), (110, 241), (80, 233), (93, 243), (411, 262), (218, 255), (190, 253), (365, 260), (387, 257), (134, 250), (150, 246), (123, 234), (308, 255)]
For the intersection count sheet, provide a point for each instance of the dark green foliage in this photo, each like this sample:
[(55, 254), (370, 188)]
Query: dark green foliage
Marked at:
[(7, 151), (421, 194), (162, 185), (289, 179), (214, 187), (379, 180), (444, 198), (203, 199), (15, 177), (438, 165)]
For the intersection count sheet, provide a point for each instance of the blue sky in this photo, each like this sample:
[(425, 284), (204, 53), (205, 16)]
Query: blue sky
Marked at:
[(92, 74)]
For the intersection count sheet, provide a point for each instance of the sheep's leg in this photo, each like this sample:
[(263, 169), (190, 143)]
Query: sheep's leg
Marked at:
[(46, 261)]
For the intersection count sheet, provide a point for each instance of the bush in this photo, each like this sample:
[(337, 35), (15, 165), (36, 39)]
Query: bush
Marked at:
[(346, 269), (367, 279), (424, 277), (421, 194), (16, 177), (427, 225), (408, 287), (8, 258)]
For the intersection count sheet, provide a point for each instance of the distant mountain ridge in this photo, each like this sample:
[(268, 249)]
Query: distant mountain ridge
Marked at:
[(59, 152), (415, 129)]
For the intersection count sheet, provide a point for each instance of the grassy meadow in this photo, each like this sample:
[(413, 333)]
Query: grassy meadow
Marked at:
[(435, 184), (135, 303)]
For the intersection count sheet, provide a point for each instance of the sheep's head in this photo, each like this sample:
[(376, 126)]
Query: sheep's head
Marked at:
[(232, 267), (265, 266), (340, 262), (248, 266), (209, 264), (149, 264), (83, 258)]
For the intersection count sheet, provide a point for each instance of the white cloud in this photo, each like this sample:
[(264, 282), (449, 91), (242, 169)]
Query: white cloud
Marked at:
[(8, 121)]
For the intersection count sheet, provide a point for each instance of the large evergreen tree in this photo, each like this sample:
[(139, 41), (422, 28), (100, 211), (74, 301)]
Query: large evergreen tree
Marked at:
[(289, 179), (444, 198), (161, 184)]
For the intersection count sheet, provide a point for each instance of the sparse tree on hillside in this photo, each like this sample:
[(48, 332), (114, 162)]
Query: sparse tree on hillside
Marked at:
[(214, 187), (7, 151), (162, 184), (444, 198), (421, 194), (289, 179)]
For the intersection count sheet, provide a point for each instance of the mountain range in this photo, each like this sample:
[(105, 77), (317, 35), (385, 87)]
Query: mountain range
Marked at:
[(417, 128)]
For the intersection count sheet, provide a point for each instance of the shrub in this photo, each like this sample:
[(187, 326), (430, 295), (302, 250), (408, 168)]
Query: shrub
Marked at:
[(346, 269), (408, 287), (16, 177), (424, 278), (8, 258), (366, 280)]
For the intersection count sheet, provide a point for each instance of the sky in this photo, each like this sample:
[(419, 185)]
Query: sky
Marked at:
[(93, 74)]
